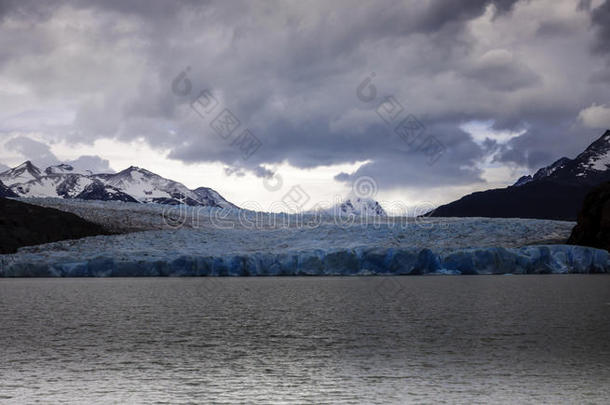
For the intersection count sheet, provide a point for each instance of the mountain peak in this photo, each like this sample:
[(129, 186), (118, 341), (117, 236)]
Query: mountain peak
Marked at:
[(130, 169), (523, 180), (26, 165), (543, 172), (591, 165), (360, 206), (20, 174), (137, 169), (596, 158)]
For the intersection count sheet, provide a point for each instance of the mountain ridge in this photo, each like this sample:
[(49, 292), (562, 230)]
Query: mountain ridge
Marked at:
[(133, 184), (136, 185), (556, 191)]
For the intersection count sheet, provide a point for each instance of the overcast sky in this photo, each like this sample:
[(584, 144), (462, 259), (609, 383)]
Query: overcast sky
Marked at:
[(427, 99)]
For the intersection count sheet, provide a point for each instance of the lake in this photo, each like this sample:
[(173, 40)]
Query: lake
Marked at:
[(460, 339)]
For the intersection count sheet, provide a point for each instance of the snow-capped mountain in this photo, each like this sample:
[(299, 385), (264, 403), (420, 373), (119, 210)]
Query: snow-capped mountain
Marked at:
[(20, 174), (100, 191), (52, 185), (357, 206), (590, 166), (544, 172), (131, 185), (553, 192), (146, 186), (361, 207), (552, 168), (211, 197)]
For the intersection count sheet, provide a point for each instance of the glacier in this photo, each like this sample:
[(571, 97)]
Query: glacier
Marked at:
[(209, 241), (544, 259)]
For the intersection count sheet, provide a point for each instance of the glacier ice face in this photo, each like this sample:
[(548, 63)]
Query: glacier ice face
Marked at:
[(544, 259), (248, 243)]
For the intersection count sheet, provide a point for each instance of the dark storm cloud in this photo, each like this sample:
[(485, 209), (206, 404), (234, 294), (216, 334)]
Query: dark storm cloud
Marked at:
[(400, 163), (41, 155), (32, 150), (499, 72), (441, 12), (289, 72), (601, 19), (34, 11)]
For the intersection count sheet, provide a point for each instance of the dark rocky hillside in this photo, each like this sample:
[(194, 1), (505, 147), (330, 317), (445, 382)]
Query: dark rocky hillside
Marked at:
[(593, 228), (541, 200), (24, 224), (5, 191)]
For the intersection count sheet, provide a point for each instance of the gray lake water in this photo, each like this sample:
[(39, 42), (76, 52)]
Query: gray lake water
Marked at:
[(478, 339)]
